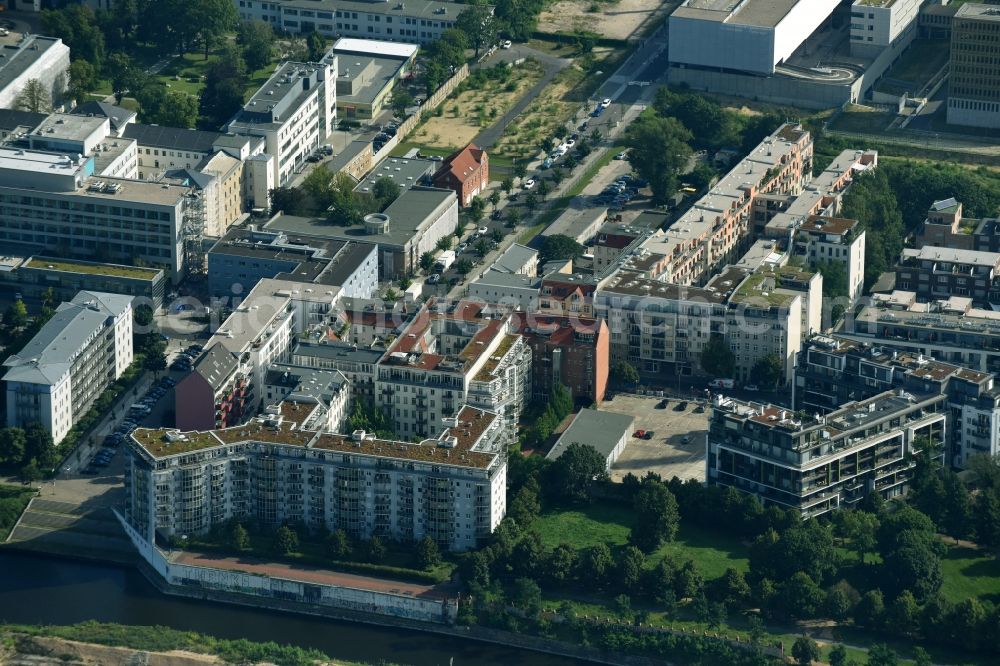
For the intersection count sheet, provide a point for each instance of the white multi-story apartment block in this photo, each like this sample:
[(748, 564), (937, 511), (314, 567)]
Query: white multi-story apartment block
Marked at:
[(52, 201), (418, 21), (293, 112), (451, 487), (55, 378), (876, 24), (450, 355)]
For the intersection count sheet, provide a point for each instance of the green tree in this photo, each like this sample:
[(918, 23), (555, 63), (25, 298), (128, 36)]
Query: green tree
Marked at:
[(572, 476), (904, 613), (256, 41), (444, 243), (82, 79), (561, 564), (716, 357), (531, 202), (377, 550), (222, 95), (482, 247), (12, 446), (158, 106), (805, 651), (527, 596), (239, 537), (860, 528), (658, 150), (30, 472), (212, 20), (338, 545), (914, 564), (768, 372), (920, 657), (838, 655), (401, 101), (595, 564), (16, 315), (476, 209), (690, 583), (34, 97), (518, 18), (840, 600), (526, 506), (559, 246), (286, 541), (507, 185), (630, 567), (513, 217), (801, 597), (657, 517), (463, 266), (316, 45), (496, 235), (544, 187), (428, 554), (958, 516), (494, 199), (870, 611), (479, 25), (624, 372), (426, 261), (881, 654)]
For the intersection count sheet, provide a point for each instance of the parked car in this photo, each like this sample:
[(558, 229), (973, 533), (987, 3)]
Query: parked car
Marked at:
[(528, 184), (662, 404), (506, 44), (686, 439), (639, 434), (681, 406), (434, 278), (751, 387), (570, 142), (606, 102), (547, 163), (482, 231), (700, 409)]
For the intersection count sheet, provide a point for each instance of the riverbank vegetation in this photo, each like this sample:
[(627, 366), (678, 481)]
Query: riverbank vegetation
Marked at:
[(165, 639), (606, 564), (13, 501)]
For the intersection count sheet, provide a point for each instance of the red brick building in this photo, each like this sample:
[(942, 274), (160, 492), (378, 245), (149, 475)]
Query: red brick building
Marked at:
[(574, 352), (467, 172)]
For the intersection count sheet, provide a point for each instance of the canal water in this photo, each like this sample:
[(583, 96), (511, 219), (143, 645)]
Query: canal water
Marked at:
[(41, 590)]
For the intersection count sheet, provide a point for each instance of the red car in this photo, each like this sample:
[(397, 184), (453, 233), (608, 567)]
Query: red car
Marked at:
[(643, 434)]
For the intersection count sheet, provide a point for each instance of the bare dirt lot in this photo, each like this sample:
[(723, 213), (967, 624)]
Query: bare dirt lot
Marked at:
[(466, 114), (667, 453), (613, 20)]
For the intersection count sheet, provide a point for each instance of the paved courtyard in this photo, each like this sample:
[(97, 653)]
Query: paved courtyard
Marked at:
[(667, 453)]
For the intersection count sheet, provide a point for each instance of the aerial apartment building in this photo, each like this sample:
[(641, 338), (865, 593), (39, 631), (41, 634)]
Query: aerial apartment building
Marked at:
[(833, 370), (716, 229), (949, 330), (934, 273), (814, 463), (451, 486), (945, 226), (877, 24), (452, 354), (64, 368)]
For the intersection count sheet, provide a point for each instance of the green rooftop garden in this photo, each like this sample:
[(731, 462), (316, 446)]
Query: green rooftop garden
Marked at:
[(110, 270)]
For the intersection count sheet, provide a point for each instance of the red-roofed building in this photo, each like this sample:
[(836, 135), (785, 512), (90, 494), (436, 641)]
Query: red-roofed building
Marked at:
[(467, 172), (573, 352)]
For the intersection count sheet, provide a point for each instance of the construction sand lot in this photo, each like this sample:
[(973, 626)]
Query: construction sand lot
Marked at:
[(467, 113), (613, 20), (666, 453)]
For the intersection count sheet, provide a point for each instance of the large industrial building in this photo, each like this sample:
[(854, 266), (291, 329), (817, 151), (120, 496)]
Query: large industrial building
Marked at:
[(974, 85), (742, 36)]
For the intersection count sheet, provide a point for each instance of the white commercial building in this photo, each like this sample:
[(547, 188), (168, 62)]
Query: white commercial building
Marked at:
[(45, 59), (418, 21), (293, 112), (744, 36), (55, 203), (876, 24), (57, 376)]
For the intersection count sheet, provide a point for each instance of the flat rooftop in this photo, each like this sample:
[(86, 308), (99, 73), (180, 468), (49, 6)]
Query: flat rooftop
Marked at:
[(68, 127), (405, 172), (760, 13), (628, 283), (599, 430), (407, 215), (953, 255), (427, 9), (366, 75), (978, 12), (352, 46), (15, 59), (36, 161), (92, 268), (471, 425)]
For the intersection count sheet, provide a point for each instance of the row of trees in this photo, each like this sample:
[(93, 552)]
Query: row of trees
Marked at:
[(333, 195)]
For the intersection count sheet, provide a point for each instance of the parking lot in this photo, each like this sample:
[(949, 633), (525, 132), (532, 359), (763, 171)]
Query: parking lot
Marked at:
[(677, 447)]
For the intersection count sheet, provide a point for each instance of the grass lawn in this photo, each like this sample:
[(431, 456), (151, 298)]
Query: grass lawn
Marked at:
[(970, 573), (862, 119), (610, 524), (13, 501)]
